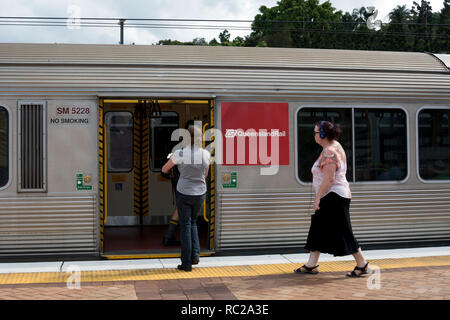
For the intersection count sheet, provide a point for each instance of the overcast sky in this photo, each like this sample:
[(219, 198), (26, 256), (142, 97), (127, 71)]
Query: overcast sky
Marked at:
[(174, 9)]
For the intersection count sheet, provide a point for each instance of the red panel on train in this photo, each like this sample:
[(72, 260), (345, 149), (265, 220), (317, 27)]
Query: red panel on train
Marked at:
[(253, 132)]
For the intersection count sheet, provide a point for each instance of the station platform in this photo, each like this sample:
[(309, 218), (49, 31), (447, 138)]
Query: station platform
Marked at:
[(416, 273)]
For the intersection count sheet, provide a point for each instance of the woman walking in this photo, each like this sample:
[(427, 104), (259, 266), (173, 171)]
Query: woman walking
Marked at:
[(193, 164), (331, 230)]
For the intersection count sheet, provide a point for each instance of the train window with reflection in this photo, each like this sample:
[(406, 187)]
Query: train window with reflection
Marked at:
[(119, 137), (4, 147), (434, 144), (380, 142), (380, 145), (308, 150)]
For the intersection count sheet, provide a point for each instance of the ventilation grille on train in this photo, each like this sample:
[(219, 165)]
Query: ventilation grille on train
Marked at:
[(32, 146)]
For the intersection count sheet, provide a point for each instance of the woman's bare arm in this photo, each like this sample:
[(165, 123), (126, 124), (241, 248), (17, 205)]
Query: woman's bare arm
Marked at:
[(328, 163), (169, 165)]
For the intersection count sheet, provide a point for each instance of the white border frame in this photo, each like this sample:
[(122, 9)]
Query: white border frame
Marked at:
[(10, 150), (432, 107), (353, 107), (19, 154)]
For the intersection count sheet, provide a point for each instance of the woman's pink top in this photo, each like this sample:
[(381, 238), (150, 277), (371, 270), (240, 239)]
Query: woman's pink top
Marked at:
[(340, 184)]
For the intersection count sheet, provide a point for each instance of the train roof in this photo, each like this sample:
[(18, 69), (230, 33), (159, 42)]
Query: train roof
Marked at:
[(445, 58), (217, 56), (140, 70)]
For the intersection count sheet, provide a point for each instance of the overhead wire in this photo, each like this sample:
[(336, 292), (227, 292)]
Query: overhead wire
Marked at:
[(113, 23), (207, 20)]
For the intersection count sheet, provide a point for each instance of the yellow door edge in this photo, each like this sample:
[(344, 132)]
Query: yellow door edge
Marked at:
[(102, 173), (150, 255)]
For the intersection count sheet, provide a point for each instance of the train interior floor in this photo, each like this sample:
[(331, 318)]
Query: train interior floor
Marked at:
[(148, 239)]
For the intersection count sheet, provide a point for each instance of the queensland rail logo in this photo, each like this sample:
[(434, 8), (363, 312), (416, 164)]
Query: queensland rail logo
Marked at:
[(232, 133)]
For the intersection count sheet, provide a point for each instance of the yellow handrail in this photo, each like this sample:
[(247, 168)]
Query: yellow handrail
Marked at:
[(204, 201)]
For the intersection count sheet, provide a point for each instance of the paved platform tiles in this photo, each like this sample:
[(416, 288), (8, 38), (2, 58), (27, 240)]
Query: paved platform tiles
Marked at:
[(213, 272), (423, 283)]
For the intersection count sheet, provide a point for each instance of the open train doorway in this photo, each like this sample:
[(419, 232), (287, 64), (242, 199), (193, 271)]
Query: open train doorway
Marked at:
[(137, 204)]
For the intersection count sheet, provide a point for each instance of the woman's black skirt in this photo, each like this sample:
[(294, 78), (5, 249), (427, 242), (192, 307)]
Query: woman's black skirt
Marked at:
[(331, 230)]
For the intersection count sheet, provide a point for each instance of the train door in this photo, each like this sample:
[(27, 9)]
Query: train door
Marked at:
[(136, 201)]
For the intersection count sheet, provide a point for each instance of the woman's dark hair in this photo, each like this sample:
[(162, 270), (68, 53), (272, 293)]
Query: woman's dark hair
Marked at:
[(332, 131)]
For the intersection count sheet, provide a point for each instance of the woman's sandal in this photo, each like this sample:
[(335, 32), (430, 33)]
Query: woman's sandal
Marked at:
[(307, 270), (364, 270)]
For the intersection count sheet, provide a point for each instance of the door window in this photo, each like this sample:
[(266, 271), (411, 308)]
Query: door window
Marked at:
[(119, 137)]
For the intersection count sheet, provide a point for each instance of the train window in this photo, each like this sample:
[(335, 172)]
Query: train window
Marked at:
[(308, 150), (380, 144), (119, 137), (377, 152), (161, 129), (434, 144), (4, 147)]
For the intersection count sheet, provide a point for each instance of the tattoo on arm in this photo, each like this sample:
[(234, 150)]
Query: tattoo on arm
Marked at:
[(329, 157)]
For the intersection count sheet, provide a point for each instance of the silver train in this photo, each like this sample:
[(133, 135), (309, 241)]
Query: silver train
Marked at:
[(85, 129)]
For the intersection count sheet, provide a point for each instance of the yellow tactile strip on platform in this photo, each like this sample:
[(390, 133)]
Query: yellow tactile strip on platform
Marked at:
[(210, 272)]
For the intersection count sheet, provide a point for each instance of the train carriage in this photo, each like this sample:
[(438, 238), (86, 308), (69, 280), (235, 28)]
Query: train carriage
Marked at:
[(85, 129)]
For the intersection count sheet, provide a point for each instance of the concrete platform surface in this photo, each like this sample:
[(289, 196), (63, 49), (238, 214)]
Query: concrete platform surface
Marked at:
[(401, 274)]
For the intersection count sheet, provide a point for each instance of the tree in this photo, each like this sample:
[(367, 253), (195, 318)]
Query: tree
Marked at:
[(169, 42), (444, 29), (214, 42), (199, 42), (255, 39), (364, 38), (308, 24), (297, 23), (224, 38), (421, 17), (345, 37), (238, 42), (397, 30)]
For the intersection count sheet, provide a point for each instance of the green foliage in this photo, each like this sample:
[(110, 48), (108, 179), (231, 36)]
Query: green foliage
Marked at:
[(397, 32), (170, 42), (444, 28), (199, 42), (297, 23), (214, 42), (309, 24), (224, 38)]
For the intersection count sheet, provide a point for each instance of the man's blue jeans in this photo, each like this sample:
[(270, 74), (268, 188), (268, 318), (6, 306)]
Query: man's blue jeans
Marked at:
[(189, 208)]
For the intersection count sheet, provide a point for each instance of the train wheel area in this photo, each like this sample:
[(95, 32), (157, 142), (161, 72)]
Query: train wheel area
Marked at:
[(381, 261)]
